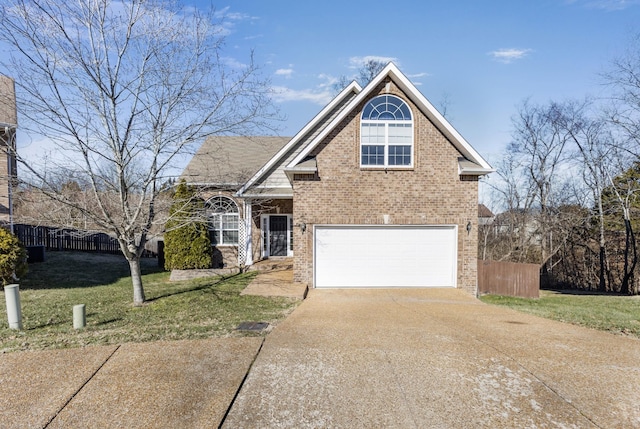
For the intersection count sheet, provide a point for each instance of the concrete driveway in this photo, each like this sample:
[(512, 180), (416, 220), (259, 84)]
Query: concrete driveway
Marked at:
[(428, 358), (435, 358)]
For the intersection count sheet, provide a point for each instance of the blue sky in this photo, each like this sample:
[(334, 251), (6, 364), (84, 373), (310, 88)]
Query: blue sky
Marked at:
[(483, 57)]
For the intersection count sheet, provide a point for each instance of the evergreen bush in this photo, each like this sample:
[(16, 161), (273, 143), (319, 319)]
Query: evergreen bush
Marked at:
[(13, 257), (186, 239)]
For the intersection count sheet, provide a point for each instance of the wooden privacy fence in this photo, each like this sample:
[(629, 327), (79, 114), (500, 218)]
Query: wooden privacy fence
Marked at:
[(509, 278), (66, 239)]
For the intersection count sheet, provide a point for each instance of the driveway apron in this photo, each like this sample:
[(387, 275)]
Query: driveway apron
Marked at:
[(436, 358)]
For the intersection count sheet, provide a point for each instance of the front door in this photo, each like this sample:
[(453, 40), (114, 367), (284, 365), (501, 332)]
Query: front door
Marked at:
[(278, 235)]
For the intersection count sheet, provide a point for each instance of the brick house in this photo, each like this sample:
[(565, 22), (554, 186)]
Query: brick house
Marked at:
[(377, 190), (8, 125)]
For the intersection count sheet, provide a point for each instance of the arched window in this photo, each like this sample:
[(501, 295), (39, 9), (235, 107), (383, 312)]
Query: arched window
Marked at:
[(224, 221), (386, 133)]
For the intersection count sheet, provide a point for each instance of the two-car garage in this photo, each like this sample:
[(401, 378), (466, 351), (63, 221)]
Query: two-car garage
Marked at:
[(385, 256)]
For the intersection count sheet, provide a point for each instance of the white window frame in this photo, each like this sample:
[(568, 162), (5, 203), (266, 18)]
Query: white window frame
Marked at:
[(386, 144), (264, 234), (216, 221)]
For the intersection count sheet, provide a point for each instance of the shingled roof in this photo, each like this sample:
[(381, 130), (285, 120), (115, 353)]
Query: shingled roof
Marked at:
[(483, 211), (229, 161)]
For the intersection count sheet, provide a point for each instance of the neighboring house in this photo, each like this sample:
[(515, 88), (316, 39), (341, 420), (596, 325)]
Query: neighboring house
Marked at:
[(519, 222), (485, 216), (378, 190), (8, 125)]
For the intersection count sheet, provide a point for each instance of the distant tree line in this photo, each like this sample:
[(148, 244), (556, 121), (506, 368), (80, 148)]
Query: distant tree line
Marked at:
[(567, 188)]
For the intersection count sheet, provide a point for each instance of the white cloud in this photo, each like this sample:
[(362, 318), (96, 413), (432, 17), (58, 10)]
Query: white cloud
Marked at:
[(232, 16), (233, 63), (317, 96), (284, 72), (329, 80), (357, 62), (417, 75), (509, 55), (609, 5), (321, 94), (229, 19)]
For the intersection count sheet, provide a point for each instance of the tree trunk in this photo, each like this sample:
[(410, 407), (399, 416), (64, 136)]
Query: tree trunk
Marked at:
[(136, 279), (602, 284), (629, 266)]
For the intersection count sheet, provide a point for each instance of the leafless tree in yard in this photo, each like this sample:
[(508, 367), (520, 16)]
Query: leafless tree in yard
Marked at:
[(593, 147), (623, 113), (366, 72), (538, 146), (123, 90), (508, 238), (623, 78), (624, 194)]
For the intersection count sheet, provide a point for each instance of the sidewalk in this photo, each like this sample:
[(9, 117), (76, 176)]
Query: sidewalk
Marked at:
[(171, 384)]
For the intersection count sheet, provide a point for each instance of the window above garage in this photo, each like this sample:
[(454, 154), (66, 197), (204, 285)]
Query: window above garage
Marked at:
[(386, 133)]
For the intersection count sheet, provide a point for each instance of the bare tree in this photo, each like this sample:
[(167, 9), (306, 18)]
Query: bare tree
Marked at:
[(624, 191), (510, 238), (623, 113), (623, 78), (539, 142), (367, 71), (593, 146), (123, 90)]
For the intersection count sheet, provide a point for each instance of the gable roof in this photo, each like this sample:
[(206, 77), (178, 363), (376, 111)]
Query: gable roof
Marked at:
[(483, 211), (422, 103), (257, 163), (314, 127), (229, 161)]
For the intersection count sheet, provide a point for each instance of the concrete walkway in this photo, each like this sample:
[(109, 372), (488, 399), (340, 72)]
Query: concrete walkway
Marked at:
[(435, 358), (276, 283), (177, 384)]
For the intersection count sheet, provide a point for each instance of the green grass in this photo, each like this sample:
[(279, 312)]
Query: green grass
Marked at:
[(200, 308), (617, 314)]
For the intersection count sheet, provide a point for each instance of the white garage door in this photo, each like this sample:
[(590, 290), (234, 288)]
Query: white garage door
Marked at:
[(385, 256)]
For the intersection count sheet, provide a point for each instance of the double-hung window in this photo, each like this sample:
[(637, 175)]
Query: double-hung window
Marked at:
[(224, 221), (386, 133)]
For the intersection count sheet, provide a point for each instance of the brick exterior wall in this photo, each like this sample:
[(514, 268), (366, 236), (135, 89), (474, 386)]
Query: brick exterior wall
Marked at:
[(432, 193), (8, 117), (227, 256)]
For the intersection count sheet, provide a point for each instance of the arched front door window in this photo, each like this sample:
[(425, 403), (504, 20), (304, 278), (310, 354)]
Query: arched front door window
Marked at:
[(386, 133), (224, 221)]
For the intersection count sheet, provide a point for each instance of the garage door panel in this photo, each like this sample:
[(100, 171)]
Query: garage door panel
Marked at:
[(366, 256)]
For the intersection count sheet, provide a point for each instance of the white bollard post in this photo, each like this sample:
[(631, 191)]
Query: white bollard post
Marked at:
[(79, 316), (14, 311)]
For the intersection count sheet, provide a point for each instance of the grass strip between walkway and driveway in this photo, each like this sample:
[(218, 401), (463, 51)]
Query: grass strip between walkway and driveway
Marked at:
[(199, 308), (614, 313)]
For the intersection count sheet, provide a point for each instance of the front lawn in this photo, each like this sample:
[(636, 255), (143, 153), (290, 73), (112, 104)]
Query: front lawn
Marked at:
[(200, 308), (614, 313)]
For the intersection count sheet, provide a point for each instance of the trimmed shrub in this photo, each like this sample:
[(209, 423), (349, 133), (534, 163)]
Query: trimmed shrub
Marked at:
[(186, 239), (13, 257)]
